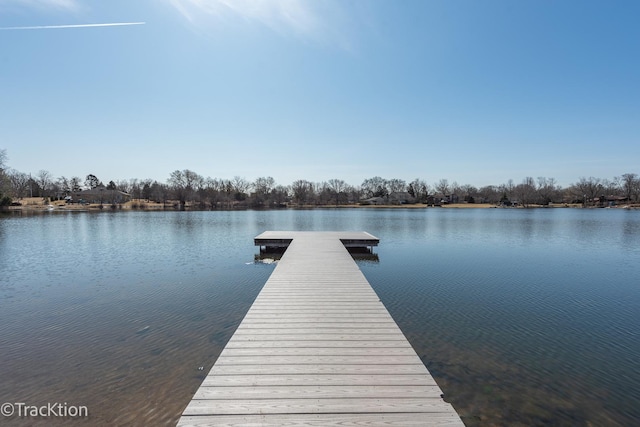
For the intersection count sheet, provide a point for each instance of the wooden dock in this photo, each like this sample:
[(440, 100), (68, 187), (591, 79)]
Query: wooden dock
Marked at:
[(318, 348)]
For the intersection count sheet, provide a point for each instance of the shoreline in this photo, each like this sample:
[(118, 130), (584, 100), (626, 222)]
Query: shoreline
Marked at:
[(33, 205)]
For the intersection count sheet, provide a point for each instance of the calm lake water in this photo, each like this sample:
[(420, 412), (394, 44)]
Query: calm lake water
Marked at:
[(524, 317)]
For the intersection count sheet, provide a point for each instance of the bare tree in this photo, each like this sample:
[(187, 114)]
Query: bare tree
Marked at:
[(547, 190), (43, 178), (4, 179), (419, 190), (612, 187), (240, 185), (226, 192), (208, 192), (442, 187), (3, 167), (125, 185), (193, 180), (456, 188), (631, 185), (135, 188), (337, 185), (199, 189), (63, 183), (587, 189), (337, 188), (280, 194), (19, 183), (75, 184), (489, 194), (508, 188), (145, 189), (322, 193), (263, 185), (63, 187), (396, 185), (375, 187), (526, 192), (159, 193), (178, 183), (183, 184), (302, 191), (354, 194), (468, 191), (5, 183)]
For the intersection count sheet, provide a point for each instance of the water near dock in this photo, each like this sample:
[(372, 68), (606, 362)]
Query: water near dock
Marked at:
[(522, 317)]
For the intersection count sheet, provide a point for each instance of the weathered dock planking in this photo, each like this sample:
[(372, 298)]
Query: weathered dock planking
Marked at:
[(318, 348)]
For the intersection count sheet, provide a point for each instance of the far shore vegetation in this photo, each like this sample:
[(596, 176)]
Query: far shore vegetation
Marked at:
[(188, 190)]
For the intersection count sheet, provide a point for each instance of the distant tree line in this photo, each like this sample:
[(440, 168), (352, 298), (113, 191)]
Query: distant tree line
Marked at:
[(5, 188), (186, 188)]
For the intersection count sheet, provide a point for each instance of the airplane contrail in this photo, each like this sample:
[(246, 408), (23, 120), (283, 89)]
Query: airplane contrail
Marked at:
[(47, 27)]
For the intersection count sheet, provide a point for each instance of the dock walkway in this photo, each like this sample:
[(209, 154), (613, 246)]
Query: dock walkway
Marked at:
[(318, 348)]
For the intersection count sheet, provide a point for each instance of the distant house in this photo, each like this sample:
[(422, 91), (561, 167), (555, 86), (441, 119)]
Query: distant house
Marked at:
[(401, 198), (444, 199), (614, 200), (100, 195), (373, 201)]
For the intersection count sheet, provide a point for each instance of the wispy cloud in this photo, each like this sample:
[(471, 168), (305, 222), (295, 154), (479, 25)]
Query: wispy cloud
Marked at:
[(43, 4), (306, 19), (48, 27)]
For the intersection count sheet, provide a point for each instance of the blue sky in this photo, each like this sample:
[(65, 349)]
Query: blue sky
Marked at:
[(477, 92)]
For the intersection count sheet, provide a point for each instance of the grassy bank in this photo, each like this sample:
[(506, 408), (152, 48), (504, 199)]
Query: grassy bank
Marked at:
[(39, 204)]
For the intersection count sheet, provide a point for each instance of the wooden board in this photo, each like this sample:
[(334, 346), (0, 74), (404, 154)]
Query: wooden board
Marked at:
[(324, 420)]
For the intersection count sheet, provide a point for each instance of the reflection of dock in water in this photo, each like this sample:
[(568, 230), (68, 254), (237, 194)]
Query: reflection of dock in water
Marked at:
[(318, 348)]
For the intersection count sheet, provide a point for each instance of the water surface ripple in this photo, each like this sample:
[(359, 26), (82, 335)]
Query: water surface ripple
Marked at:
[(524, 317)]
